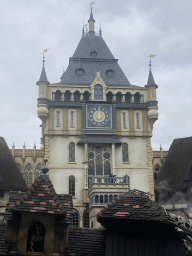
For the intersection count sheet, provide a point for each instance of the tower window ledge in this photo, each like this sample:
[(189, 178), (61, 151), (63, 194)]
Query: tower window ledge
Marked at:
[(72, 162)]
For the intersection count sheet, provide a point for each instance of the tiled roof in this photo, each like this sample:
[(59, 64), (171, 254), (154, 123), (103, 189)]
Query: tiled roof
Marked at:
[(103, 61), (10, 175), (85, 242), (99, 139), (40, 197), (175, 171), (3, 244), (134, 205)]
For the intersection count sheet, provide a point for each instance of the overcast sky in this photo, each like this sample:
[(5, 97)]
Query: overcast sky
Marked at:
[(132, 30)]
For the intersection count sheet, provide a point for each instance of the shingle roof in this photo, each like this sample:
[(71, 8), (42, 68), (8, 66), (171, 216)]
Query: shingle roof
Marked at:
[(99, 139), (103, 61), (85, 242), (134, 205), (40, 197), (10, 175), (3, 245), (178, 163)]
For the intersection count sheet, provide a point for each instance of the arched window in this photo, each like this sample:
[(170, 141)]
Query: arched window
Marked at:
[(77, 96), (67, 96), (38, 170), (127, 97), (109, 96), (96, 199), (137, 97), (98, 91), (106, 199), (125, 153), (99, 161), (110, 198), (156, 171), (36, 238), (86, 219), (86, 96), (72, 152), (72, 185), (58, 95), (75, 220), (101, 199), (28, 175), (118, 97)]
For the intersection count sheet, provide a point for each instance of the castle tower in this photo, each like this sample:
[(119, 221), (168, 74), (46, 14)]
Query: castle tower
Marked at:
[(97, 125)]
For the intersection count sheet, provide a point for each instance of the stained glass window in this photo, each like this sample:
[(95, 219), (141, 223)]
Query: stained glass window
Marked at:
[(71, 152), (38, 170), (28, 175), (99, 162), (125, 152), (98, 91)]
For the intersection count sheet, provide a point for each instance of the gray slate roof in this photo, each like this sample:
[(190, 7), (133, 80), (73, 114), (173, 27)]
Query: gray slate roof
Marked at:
[(102, 62), (43, 76), (151, 80), (175, 172), (10, 175)]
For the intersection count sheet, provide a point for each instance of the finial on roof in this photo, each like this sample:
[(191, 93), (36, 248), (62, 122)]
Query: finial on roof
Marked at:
[(44, 170), (43, 76), (100, 32), (151, 80)]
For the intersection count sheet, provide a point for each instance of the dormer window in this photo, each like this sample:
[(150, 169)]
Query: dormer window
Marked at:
[(79, 71), (110, 73), (94, 54)]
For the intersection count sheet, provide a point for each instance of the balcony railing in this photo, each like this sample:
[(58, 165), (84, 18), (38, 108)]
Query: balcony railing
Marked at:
[(108, 180)]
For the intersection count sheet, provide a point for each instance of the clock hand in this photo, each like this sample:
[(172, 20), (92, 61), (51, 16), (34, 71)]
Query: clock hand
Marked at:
[(99, 114)]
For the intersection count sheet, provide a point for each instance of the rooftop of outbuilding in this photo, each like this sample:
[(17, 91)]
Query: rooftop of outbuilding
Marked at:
[(176, 170), (10, 175)]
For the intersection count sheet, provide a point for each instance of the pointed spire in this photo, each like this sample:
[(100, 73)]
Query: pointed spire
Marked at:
[(151, 80), (91, 16), (100, 32), (43, 76)]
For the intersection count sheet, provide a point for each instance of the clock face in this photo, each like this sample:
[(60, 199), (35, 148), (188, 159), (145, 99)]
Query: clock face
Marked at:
[(99, 116)]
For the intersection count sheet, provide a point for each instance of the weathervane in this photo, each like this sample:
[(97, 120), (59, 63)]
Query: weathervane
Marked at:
[(46, 50), (150, 56)]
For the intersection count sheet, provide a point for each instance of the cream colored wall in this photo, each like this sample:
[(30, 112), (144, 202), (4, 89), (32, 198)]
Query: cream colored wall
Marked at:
[(137, 168)]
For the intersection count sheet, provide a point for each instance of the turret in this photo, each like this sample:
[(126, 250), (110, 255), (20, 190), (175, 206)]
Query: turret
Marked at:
[(152, 101), (42, 110), (91, 25)]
